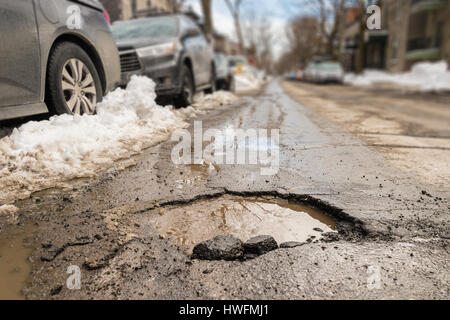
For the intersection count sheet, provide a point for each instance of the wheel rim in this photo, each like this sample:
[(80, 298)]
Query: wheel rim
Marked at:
[(78, 87)]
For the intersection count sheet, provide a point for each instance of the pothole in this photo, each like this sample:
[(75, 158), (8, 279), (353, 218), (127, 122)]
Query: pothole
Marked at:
[(14, 265), (241, 217)]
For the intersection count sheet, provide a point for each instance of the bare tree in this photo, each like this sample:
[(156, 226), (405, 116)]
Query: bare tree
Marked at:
[(304, 38), (208, 22), (234, 6), (360, 57), (331, 14), (258, 39)]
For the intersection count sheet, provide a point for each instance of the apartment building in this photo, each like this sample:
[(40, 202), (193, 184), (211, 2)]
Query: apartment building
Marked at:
[(411, 31), (128, 9)]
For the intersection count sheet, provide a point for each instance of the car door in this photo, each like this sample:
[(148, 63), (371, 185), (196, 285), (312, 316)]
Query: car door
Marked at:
[(206, 55), (19, 54), (194, 45)]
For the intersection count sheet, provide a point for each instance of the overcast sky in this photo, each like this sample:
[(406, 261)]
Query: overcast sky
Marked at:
[(277, 11)]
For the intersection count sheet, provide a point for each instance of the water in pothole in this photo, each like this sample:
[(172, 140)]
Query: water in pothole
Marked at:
[(14, 265), (241, 217)]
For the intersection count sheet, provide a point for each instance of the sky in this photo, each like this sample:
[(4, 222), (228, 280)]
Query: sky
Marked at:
[(279, 12)]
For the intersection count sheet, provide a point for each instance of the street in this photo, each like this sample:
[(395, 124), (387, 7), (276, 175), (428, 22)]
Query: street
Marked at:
[(375, 162)]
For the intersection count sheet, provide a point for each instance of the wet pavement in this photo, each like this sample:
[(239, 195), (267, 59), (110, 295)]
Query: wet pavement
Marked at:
[(117, 227), (14, 264)]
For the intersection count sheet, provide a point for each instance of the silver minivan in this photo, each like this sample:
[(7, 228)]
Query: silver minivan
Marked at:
[(56, 56)]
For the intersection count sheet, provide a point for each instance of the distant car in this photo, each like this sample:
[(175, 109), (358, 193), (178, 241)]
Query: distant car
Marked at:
[(323, 72), (224, 76), (291, 76), (299, 75), (238, 64), (169, 49), (47, 64)]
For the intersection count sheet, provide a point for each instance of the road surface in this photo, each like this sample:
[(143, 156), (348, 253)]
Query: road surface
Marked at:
[(392, 223)]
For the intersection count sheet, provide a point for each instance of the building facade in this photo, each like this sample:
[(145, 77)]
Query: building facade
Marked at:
[(412, 31), (128, 9)]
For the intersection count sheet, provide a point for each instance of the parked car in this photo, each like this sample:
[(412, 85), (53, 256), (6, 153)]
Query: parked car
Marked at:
[(291, 76), (224, 76), (299, 75), (322, 72), (48, 65), (238, 64), (171, 50)]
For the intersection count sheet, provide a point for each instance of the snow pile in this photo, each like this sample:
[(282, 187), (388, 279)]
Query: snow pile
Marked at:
[(45, 154), (212, 101), (8, 209), (247, 81), (424, 76)]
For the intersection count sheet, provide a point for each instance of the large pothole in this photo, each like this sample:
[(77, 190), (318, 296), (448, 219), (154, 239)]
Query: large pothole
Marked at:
[(241, 217)]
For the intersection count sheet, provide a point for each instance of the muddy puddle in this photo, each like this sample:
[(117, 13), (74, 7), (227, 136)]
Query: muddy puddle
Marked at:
[(241, 217), (14, 265)]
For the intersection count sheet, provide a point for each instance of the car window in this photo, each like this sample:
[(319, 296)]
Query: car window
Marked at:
[(329, 66), (145, 28)]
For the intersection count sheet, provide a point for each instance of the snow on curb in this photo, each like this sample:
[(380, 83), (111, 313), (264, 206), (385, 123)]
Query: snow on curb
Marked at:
[(424, 76), (8, 209), (44, 154), (246, 82)]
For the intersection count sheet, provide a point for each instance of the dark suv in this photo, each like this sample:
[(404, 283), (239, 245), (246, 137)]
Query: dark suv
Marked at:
[(169, 49)]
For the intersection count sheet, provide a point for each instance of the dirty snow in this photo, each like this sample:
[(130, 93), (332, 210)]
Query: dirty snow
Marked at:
[(424, 76), (45, 154), (247, 81), (8, 209)]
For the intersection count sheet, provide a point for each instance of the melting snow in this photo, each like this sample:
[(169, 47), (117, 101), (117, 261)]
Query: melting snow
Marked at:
[(423, 76), (8, 209), (48, 153), (246, 82)]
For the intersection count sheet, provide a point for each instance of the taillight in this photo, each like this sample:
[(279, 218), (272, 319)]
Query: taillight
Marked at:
[(106, 15)]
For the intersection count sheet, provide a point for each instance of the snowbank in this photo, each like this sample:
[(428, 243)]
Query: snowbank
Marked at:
[(48, 153), (8, 209), (246, 81), (423, 76)]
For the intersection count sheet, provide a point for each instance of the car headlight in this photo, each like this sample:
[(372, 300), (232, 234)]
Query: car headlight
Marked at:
[(158, 50)]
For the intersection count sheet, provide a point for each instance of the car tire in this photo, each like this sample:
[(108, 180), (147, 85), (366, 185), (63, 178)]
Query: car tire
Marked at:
[(73, 83), (186, 96), (212, 82), (231, 85)]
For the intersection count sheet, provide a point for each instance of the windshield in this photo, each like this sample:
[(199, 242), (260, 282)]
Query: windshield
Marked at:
[(160, 27), (235, 61), (329, 66)]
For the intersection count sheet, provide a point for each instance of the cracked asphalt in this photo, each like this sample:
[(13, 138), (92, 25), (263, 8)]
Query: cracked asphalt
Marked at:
[(387, 217)]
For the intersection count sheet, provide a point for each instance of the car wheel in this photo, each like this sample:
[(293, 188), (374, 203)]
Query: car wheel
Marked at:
[(212, 82), (186, 97), (73, 83)]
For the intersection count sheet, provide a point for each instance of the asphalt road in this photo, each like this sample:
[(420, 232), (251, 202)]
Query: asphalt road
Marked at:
[(388, 220)]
